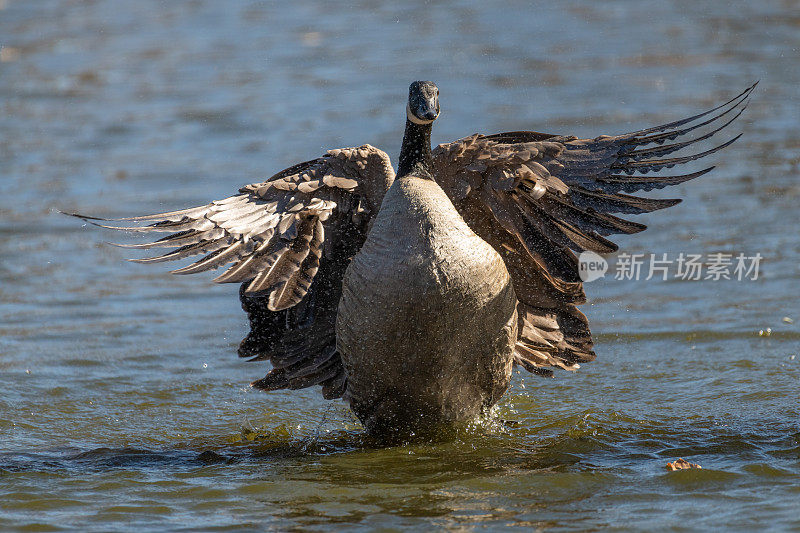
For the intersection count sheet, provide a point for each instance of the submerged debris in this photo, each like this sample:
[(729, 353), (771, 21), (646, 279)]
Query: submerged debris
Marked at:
[(681, 464)]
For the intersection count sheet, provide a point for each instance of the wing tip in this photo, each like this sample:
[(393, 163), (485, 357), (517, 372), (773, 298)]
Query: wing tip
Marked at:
[(120, 245), (82, 217), (736, 101)]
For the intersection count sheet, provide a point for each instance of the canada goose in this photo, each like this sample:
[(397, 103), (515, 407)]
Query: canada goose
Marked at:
[(412, 296)]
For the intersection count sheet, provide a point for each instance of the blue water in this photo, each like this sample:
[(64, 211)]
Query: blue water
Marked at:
[(123, 404)]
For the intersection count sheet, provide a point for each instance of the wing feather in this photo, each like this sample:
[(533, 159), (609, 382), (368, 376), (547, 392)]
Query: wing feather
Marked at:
[(537, 198), (272, 238)]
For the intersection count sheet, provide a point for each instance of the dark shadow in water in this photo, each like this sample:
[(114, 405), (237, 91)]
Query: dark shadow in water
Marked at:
[(350, 457)]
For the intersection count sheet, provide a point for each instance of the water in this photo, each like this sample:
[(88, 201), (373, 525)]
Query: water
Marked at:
[(123, 403)]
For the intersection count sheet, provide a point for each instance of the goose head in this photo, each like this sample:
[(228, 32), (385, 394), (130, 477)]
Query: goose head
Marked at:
[(423, 102)]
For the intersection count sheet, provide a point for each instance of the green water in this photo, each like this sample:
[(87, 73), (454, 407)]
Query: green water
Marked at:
[(123, 405)]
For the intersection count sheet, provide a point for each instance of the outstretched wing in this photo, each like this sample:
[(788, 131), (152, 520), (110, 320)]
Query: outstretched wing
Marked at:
[(537, 198), (276, 238)]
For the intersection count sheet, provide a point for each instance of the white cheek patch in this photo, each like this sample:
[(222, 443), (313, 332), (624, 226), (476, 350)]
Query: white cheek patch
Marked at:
[(413, 118)]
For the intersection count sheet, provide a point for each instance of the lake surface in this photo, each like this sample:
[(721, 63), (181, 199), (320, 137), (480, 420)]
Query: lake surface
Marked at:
[(123, 403)]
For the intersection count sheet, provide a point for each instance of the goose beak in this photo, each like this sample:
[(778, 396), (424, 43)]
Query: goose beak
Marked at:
[(427, 107), (430, 113), (423, 110)]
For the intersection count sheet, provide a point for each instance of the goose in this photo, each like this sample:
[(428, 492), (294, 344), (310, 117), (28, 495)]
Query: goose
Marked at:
[(413, 295)]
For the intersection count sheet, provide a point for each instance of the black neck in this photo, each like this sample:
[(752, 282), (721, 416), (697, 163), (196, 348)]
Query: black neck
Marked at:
[(415, 155)]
